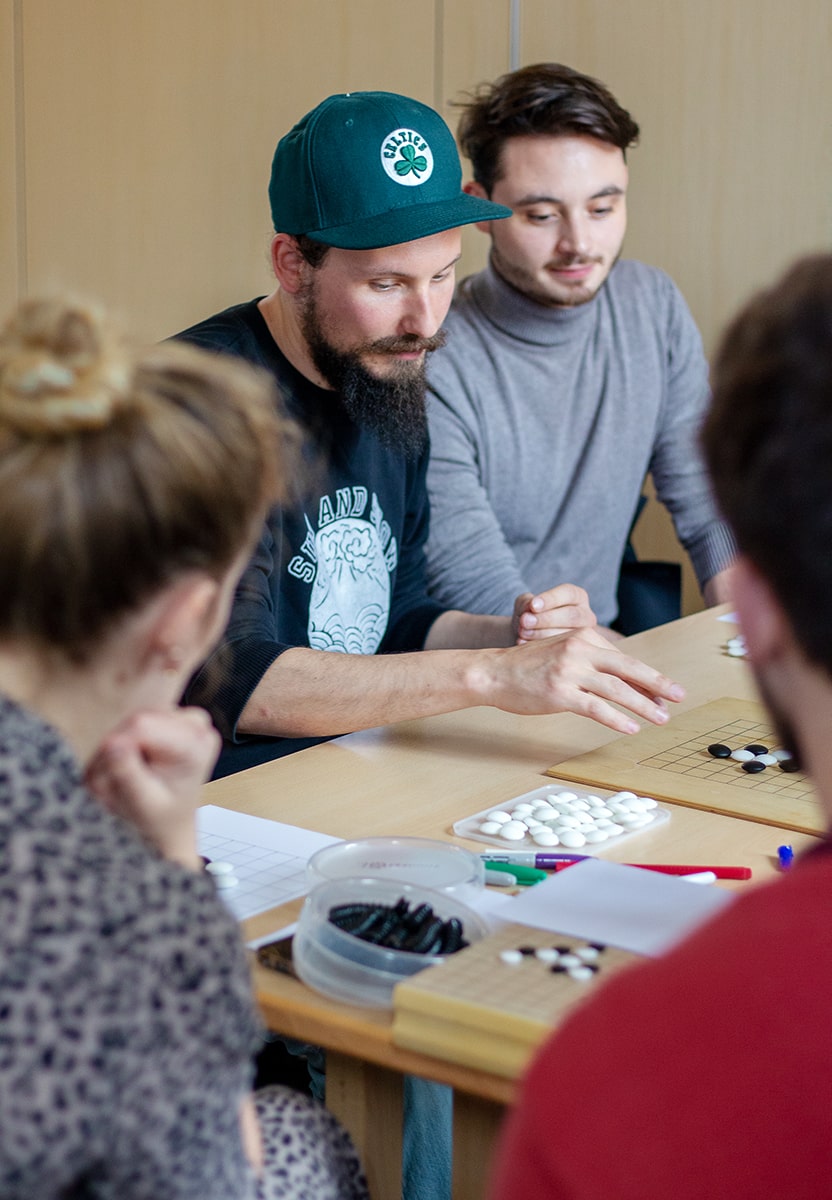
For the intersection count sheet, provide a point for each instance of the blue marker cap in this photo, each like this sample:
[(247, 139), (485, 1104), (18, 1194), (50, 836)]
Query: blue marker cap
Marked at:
[(785, 854)]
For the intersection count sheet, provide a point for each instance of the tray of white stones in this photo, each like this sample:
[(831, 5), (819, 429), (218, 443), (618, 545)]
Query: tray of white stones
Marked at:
[(555, 816)]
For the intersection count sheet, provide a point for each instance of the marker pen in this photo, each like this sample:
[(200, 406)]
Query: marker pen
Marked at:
[(528, 858), (517, 872), (678, 869)]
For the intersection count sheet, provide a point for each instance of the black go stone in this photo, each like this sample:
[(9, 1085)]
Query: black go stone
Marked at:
[(753, 768), (788, 765), (717, 750), (756, 748)]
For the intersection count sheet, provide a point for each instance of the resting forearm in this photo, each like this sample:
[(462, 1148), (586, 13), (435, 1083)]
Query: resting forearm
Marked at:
[(455, 630), (718, 588), (314, 693), (311, 693)]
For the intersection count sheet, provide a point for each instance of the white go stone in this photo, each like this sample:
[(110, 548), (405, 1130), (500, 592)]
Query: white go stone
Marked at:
[(580, 806), (587, 953), (520, 810), (569, 960), (490, 828), (572, 839), (499, 816), (624, 796), (781, 755), (567, 797), (742, 755), (219, 869), (581, 974), (594, 837), (768, 760), (513, 831), (545, 837), (511, 957), (547, 954), (603, 811)]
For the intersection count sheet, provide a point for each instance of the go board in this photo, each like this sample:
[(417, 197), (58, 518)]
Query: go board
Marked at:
[(476, 1010), (673, 763)]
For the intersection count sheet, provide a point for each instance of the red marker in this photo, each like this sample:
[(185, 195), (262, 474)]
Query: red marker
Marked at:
[(675, 869)]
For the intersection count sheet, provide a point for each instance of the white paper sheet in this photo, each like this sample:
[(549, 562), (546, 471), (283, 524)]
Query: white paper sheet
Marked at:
[(269, 858), (641, 911)]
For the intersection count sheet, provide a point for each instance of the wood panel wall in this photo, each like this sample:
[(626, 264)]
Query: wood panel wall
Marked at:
[(136, 139)]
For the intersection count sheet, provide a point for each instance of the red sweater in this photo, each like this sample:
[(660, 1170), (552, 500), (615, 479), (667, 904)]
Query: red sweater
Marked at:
[(706, 1073)]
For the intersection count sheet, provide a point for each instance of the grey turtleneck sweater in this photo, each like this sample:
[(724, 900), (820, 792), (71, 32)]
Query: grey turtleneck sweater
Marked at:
[(544, 423)]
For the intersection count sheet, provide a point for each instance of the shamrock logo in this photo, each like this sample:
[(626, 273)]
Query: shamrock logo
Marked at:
[(411, 161), (406, 157)]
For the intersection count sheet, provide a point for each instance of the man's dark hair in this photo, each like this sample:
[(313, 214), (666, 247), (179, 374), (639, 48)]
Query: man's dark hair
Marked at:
[(768, 444), (545, 99)]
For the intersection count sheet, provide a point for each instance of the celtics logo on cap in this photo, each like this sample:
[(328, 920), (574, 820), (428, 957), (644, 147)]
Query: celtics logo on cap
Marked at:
[(406, 157)]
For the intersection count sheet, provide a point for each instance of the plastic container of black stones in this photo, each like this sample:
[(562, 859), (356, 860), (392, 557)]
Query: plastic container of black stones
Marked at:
[(345, 967), (426, 862)]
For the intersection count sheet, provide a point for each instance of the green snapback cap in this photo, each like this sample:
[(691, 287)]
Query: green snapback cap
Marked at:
[(370, 169)]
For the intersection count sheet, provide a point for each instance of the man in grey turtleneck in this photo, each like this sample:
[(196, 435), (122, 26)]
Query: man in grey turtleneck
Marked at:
[(568, 374)]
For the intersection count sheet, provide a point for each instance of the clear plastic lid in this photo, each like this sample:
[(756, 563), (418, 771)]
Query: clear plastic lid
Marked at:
[(440, 866)]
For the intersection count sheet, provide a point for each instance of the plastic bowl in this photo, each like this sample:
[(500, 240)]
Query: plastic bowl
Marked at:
[(344, 967), (440, 866)]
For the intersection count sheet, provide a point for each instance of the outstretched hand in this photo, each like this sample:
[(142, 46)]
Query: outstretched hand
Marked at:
[(551, 612), (149, 771), (581, 672)]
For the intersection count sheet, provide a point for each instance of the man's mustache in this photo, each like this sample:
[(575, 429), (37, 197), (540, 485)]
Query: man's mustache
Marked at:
[(574, 260), (406, 343)]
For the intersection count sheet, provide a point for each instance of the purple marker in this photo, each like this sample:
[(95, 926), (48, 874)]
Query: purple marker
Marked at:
[(528, 858)]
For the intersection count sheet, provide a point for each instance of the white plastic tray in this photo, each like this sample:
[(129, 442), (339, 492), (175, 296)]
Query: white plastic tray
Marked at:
[(469, 827)]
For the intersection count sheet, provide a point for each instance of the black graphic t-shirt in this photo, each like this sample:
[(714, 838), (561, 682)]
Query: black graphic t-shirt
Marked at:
[(342, 570)]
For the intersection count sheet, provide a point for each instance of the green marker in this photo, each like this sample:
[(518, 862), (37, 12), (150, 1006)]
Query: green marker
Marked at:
[(523, 875)]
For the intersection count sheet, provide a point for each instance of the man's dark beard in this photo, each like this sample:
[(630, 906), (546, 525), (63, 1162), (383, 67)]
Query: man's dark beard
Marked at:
[(393, 407), (783, 725)]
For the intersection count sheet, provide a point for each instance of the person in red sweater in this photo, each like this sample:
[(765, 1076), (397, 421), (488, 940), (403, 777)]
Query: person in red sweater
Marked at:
[(708, 1072)]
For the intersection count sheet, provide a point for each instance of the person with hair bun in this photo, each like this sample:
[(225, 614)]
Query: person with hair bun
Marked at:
[(133, 483)]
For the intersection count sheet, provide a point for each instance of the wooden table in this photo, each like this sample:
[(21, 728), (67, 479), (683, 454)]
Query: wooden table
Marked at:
[(417, 778)]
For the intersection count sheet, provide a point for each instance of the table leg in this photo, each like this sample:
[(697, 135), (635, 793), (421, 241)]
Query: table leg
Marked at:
[(368, 1101), (476, 1122)]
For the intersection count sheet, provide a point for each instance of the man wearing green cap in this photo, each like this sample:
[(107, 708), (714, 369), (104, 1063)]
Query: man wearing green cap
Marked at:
[(367, 202)]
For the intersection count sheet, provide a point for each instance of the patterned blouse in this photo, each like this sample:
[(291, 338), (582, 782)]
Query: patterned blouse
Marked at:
[(126, 1020)]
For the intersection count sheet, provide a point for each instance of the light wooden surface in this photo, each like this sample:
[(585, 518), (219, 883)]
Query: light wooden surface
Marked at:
[(662, 763), (419, 777)]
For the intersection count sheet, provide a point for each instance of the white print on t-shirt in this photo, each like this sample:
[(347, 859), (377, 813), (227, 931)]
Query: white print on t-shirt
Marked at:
[(348, 561)]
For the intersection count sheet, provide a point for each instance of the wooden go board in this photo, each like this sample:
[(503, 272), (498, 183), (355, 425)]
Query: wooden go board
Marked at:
[(672, 763), (478, 1011)]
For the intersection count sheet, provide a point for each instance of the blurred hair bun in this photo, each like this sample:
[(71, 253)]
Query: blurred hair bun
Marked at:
[(62, 370)]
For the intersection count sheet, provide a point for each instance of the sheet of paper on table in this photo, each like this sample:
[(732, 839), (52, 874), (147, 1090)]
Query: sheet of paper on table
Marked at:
[(268, 857), (641, 911)]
